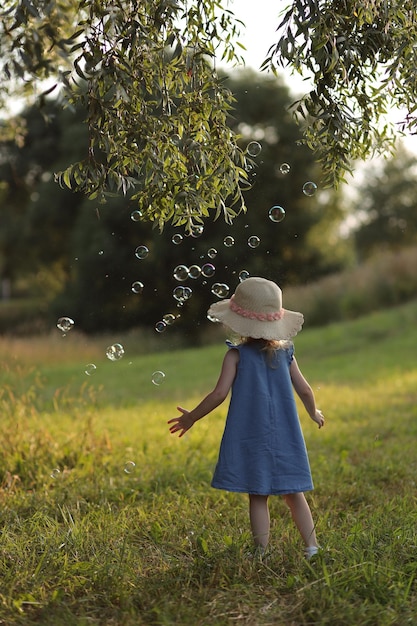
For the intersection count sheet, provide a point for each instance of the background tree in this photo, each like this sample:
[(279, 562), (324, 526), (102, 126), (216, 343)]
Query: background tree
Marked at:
[(89, 247), (387, 207), (36, 216)]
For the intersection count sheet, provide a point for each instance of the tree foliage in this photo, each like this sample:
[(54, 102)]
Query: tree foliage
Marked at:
[(387, 207), (84, 252), (361, 57), (156, 110)]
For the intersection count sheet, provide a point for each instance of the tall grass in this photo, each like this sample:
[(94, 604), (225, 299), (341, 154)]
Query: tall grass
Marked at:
[(106, 519)]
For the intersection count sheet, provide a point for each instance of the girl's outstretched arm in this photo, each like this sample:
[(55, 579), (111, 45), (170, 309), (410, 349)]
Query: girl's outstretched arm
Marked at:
[(227, 375), (305, 393)]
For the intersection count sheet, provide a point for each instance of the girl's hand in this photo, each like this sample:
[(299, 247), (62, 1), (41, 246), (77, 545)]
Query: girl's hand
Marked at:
[(318, 418), (182, 423)]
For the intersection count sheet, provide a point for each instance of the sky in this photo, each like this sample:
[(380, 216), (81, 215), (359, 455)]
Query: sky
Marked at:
[(261, 18)]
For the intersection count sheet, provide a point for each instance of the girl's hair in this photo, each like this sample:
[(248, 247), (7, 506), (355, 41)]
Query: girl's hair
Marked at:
[(269, 345)]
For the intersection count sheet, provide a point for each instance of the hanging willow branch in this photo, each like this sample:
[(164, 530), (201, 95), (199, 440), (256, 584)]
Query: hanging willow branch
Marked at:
[(361, 57), (156, 109)]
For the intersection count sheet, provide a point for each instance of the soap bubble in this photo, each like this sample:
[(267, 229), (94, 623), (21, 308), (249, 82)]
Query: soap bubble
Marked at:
[(276, 213), (176, 139), (284, 168), (129, 467), (194, 271), (309, 188), (212, 318), (243, 275), (137, 286), (181, 272), (115, 352), (181, 294), (208, 270), (169, 318), (158, 377), (228, 241), (136, 215), (177, 238), (221, 290), (90, 369), (160, 326), (187, 293), (178, 293), (212, 253), (55, 472), (65, 324), (197, 230), (253, 148), (141, 252), (253, 241)]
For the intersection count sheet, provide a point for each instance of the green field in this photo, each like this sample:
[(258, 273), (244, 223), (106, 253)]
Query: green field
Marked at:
[(106, 519)]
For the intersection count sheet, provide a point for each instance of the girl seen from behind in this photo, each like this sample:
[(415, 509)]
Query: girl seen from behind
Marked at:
[(262, 452)]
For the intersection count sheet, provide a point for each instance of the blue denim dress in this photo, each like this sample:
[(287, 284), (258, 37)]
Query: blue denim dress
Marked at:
[(262, 449)]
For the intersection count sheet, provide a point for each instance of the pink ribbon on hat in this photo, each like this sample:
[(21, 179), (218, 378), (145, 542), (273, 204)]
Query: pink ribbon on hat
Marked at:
[(253, 315)]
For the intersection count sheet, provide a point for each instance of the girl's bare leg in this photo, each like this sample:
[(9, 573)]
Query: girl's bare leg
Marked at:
[(259, 519), (302, 517)]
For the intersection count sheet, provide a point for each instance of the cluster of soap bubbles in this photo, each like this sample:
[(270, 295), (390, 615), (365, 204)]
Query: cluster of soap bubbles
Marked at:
[(253, 241), (182, 273), (167, 320), (129, 467), (221, 290), (182, 294)]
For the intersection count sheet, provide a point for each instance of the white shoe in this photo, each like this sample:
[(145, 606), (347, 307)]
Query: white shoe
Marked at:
[(310, 551)]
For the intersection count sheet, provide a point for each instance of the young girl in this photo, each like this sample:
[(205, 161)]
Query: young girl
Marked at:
[(262, 452)]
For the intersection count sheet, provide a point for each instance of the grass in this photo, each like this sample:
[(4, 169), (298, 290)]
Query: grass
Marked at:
[(108, 520)]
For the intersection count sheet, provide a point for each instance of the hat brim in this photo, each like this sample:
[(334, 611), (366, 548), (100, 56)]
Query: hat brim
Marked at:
[(285, 328)]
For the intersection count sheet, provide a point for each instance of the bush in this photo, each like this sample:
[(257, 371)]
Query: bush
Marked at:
[(23, 316), (388, 279)]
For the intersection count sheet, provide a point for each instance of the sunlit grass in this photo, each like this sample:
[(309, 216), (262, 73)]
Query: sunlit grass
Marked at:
[(107, 519)]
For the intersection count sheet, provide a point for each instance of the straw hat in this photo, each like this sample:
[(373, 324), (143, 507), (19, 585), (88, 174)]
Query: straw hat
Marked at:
[(255, 310)]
